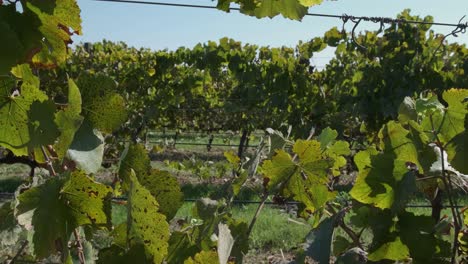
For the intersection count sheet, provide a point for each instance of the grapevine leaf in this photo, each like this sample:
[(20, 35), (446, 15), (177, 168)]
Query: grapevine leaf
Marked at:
[(181, 247), (232, 158), (340, 245), (407, 110), (56, 18), (136, 159), (425, 153), (427, 106), (146, 225), (87, 148), (225, 243), (278, 169), (107, 113), (204, 257), (450, 122), (382, 181), (50, 220), (15, 125), (333, 37), (292, 9), (319, 241), (326, 137), (205, 208), (165, 188), (392, 249), (42, 128), (457, 149), (336, 152), (19, 40), (352, 256), (90, 200), (239, 182), (239, 231), (307, 150), (465, 216), (414, 229), (101, 104), (118, 255), (313, 196), (68, 120)]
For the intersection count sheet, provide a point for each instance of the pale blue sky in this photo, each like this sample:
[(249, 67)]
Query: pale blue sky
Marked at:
[(159, 27)]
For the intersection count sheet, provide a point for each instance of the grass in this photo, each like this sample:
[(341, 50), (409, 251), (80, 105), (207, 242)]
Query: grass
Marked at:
[(12, 176)]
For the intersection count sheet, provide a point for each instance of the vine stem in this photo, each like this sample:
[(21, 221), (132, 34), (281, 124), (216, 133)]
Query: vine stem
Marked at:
[(50, 166), (350, 232), (267, 193), (23, 246), (79, 247), (448, 187), (257, 213)]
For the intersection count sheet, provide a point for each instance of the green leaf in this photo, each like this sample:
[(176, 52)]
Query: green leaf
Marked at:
[(313, 196), (204, 257), (307, 150), (56, 20), (407, 110), (326, 137), (181, 247), (20, 40), (136, 159), (457, 149), (101, 104), (292, 9), (278, 169), (382, 181), (416, 228), (392, 249), (107, 113), (90, 200), (42, 128), (166, 189), (68, 120), (118, 255), (146, 225), (337, 152), (51, 221), (353, 256), (15, 123), (340, 245), (232, 158), (333, 37), (87, 148), (319, 241)]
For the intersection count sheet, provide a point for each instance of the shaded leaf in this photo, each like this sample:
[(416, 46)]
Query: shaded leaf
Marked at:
[(319, 241), (68, 120), (87, 148)]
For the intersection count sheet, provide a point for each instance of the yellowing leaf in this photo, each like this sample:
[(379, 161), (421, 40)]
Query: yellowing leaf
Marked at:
[(146, 225), (90, 200), (204, 257), (278, 169)]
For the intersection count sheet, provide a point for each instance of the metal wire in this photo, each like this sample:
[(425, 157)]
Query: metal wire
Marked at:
[(344, 17)]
